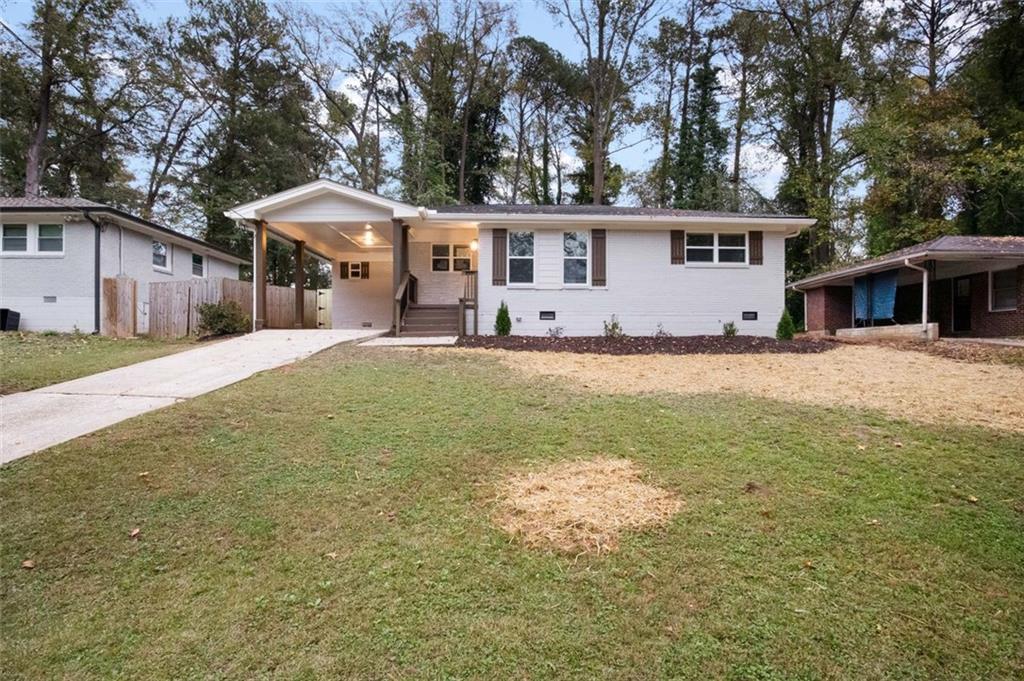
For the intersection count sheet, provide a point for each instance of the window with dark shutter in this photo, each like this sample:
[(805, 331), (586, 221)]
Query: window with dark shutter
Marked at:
[(342, 270), (499, 257), (364, 271), (678, 247), (756, 248), (598, 275)]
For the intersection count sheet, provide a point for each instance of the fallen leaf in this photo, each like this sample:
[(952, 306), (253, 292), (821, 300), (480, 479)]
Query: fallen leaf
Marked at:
[(134, 534), (809, 565), (144, 474), (897, 444), (973, 499), (861, 448), (874, 521), (332, 555), (28, 564)]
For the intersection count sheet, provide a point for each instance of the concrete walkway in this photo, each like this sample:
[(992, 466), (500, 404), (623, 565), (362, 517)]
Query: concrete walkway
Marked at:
[(32, 421)]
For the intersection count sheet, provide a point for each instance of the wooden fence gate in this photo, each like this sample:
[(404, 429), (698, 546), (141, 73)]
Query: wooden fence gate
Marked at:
[(119, 310)]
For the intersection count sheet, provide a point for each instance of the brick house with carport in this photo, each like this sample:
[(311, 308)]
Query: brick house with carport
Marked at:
[(960, 285)]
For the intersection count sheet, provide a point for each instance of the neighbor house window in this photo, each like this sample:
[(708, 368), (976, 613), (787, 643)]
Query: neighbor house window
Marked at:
[(15, 238), (160, 254), (1004, 290), (450, 258), (575, 247), (51, 239), (520, 257), (716, 248), (198, 265)]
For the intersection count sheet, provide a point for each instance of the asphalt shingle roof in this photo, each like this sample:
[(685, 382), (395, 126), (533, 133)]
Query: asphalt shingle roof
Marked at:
[(47, 202)]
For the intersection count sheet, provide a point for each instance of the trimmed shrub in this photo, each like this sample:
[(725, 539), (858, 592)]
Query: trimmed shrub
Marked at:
[(786, 328), (223, 318), (729, 329), (503, 323)]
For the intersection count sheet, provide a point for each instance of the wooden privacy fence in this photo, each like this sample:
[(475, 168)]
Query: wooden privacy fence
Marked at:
[(119, 309), (173, 305)]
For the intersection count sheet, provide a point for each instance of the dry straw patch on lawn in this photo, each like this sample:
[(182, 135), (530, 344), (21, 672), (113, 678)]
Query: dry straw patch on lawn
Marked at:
[(904, 384), (582, 506)]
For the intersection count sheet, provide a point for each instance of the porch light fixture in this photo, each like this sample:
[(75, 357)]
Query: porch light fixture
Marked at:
[(474, 245), (368, 239)]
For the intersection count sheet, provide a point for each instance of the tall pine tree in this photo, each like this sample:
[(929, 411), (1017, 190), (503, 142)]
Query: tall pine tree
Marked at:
[(699, 170)]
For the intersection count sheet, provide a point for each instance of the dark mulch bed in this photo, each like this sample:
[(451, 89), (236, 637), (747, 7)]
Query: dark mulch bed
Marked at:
[(648, 345)]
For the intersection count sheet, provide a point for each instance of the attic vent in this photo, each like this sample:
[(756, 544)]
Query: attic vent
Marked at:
[(367, 325), (49, 299)]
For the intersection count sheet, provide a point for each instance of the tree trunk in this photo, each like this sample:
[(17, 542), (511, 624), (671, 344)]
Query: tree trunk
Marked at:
[(36, 155), (741, 111)]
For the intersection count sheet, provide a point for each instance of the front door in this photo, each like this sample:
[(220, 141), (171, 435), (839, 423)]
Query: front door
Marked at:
[(962, 305)]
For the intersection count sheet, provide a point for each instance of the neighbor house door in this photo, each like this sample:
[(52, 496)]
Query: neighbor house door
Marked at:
[(962, 305)]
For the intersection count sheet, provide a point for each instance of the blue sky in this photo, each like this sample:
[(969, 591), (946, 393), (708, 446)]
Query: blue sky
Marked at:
[(531, 19)]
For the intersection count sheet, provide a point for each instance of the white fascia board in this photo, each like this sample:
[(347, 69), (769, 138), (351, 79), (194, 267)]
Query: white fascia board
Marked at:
[(899, 261), (625, 221), (254, 209)]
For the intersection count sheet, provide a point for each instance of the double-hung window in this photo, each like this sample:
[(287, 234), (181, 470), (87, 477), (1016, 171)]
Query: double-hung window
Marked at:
[(198, 265), (575, 258), (450, 258), (714, 248), (15, 239), (520, 257), (1004, 290), (50, 239), (160, 252)]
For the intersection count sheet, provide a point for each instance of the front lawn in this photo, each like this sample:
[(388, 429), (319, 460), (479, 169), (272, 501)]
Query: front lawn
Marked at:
[(334, 519), (34, 360)]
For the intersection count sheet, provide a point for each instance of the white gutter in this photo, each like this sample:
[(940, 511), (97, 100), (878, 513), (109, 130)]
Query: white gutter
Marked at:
[(924, 292)]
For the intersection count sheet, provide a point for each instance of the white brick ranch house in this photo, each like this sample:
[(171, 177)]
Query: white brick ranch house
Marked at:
[(421, 270)]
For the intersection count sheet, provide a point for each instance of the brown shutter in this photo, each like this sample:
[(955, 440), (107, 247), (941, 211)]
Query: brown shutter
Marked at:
[(756, 243), (364, 270), (499, 257), (342, 270), (678, 247), (598, 275)]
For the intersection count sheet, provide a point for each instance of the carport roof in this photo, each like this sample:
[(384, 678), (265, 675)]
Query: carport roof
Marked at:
[(951, 247)]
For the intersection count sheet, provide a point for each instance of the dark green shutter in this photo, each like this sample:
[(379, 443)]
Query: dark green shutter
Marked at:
[(342, 270), (364, 270), (756, 242), (499, 257), (598, 275), (678, 248)]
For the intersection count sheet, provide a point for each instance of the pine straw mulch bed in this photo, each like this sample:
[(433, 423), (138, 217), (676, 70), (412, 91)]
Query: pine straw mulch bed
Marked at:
[(648, 345), (582, 506)]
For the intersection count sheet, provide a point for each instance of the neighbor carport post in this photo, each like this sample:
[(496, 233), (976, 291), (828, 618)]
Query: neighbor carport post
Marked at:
[(924, 293), (259, 276), (300, 284)]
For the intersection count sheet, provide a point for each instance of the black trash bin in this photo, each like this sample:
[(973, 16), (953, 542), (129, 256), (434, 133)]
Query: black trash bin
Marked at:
[(9, 319)]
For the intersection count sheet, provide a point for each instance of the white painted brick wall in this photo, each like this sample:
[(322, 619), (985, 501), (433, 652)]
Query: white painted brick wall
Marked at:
[(643, 291)]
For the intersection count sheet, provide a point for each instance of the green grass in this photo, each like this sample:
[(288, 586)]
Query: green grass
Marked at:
[(34, 360), (389, 461)]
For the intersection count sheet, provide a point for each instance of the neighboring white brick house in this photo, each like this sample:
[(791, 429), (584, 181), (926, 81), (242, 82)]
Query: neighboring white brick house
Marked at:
[(570, 268), (48, 260)]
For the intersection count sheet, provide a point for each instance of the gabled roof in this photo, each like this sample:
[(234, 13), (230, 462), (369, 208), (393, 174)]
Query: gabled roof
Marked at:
[(254, 210), (54, 204), (950, 247)]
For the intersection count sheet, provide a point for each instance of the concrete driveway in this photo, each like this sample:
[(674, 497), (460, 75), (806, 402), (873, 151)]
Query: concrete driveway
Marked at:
[(34, 420)]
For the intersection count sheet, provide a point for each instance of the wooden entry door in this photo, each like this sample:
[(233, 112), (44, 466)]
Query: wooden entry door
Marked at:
[(962, 305)]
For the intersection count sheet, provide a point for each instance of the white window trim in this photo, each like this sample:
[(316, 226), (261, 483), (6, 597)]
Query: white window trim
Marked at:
[(509, 258), (355, 270), (992, 293), (193, 264), (32, 241), (451, 258), (715, 263), (565, 257), (169, 267)]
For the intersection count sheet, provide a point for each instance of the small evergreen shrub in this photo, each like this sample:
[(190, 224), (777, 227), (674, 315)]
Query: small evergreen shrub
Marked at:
[(612, 328), (729, 329), (786, 328), (223, 318), (660, 332), (556, 332), (503, 323)]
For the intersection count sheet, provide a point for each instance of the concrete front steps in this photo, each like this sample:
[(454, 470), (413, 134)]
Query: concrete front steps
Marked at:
[(431, 320)]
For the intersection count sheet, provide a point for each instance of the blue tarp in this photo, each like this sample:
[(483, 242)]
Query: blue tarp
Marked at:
[(874, 296), (883, 295)]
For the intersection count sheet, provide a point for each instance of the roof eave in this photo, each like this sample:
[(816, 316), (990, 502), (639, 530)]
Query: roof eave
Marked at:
[(529, 218), (866, 268)]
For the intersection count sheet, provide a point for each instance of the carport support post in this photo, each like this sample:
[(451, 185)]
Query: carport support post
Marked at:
[(300, 283), (259, 276), (924, 292), (399, 264)]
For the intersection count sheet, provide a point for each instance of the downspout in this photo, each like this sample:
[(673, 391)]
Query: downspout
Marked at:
[(924, 293), (96, 274)]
